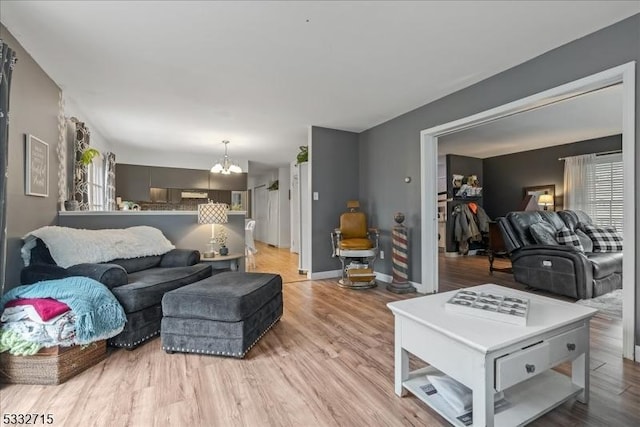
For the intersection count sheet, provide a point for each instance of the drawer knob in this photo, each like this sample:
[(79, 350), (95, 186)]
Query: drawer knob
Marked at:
[(571, 346), (530, 368)]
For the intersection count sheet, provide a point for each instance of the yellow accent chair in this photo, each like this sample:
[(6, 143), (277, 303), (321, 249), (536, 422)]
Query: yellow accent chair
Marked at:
[(357, 247)]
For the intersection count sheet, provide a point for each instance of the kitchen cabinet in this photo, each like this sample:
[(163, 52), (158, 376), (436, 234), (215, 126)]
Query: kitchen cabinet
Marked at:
[(165, 185), (233, 182), (192, 179), (132, 182)]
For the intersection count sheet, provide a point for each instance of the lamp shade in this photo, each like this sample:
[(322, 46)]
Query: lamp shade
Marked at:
[(545, 200), (213, 213)]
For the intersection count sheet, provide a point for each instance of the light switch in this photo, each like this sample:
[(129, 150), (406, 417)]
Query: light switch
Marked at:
[(315, 195)]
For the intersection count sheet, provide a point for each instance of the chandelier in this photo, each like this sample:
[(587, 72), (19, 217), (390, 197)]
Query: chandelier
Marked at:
[(225, 166)]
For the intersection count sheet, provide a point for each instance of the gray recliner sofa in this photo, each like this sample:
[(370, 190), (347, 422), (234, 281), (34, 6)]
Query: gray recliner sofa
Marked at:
[(138, 284), (541, 262)]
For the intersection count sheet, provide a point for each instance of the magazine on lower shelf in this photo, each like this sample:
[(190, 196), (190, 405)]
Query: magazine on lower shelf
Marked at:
[(465, 416)]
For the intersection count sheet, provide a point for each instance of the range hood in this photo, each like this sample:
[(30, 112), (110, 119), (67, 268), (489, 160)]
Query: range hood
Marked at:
[(195, 195)]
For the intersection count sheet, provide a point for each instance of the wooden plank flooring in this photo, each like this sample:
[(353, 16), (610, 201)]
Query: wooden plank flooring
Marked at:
[(282, 260), (328, 362)]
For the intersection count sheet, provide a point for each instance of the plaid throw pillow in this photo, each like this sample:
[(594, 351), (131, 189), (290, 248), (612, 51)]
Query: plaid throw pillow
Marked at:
[(605, 239), (569, 238)]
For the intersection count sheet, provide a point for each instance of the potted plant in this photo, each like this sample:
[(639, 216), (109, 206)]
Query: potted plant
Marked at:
[(88, 155), (303, 155), (86, 158), (221, 239)]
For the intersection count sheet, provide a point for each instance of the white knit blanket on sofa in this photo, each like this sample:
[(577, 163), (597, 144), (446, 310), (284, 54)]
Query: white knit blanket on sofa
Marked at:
[(71, 246)]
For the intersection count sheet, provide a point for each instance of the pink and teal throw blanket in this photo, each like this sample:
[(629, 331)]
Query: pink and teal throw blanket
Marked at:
[(45, 308), (98, 314)]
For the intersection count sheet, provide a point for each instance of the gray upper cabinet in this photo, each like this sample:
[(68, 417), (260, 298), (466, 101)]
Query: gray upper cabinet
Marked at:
[(132, 182), (163, 185), (191, 179), (232, 182)]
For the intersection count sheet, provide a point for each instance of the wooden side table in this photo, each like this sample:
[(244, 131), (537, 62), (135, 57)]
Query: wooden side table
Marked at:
[(496, 247), (231, 261)]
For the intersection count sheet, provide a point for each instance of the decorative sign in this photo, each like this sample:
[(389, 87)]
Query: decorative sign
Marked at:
[(36, 167)]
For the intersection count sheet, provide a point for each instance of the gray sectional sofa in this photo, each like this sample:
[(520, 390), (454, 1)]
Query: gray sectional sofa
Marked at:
[(541, 261), (138, 283)]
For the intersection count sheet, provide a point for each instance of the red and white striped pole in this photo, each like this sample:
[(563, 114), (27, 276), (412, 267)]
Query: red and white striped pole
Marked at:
[(400, 255), (400, 258)]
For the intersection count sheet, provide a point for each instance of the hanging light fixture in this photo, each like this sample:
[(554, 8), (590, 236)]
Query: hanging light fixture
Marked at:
[(225, 166)]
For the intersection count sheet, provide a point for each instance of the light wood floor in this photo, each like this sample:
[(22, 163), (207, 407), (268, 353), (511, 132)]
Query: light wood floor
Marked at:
[(328, 362), (269, 259)]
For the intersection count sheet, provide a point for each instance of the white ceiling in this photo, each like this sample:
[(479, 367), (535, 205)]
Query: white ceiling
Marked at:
[(593, 115), (183, 76)]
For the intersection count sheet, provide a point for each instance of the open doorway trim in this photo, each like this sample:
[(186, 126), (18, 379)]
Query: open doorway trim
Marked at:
[(624, 74)]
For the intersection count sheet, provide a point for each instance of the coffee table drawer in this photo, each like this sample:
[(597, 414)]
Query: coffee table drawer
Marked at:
[(567, 346), (521, 365)]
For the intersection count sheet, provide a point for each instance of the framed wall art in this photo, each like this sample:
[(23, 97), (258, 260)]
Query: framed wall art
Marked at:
[(538, 192), (36, 167)]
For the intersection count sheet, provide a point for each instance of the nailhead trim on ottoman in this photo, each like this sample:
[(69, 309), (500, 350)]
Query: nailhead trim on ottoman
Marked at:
[(135, 343), (219, 353)]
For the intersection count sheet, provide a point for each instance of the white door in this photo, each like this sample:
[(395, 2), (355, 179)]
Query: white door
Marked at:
[(304, 260), (260, 212), (295, 209), (273, 230)]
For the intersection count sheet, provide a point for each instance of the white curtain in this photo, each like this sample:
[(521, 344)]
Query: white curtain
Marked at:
[(579, 183)]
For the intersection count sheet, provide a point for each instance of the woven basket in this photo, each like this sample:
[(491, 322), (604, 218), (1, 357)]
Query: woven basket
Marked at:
[(53, 365)]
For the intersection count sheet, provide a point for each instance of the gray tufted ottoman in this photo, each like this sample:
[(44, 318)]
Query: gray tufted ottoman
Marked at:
[(224, 315)]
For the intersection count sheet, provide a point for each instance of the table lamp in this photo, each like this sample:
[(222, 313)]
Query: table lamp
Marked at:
[(212, 213), (545, 200)]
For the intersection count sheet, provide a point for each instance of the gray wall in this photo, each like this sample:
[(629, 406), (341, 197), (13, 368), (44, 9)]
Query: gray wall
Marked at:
[(505, 176), (397, 142), (334, 170), (182, 230), (33, 110), (387, 156)]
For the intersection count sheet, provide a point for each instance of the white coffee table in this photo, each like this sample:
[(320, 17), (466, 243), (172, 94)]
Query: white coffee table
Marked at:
[(489, 355)]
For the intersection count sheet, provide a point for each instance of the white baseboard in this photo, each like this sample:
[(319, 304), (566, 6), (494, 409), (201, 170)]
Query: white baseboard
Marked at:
[(319, 275), (388, 279), (637, 355), (383, 277)]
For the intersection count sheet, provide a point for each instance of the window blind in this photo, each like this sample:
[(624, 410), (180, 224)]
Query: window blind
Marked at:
[(608, 191)]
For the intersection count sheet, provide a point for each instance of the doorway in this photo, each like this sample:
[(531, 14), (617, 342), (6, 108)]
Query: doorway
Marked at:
[(261, 212), (624, 74)]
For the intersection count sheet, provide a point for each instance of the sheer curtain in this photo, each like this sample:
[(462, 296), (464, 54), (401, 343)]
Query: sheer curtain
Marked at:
[(579, 183)]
